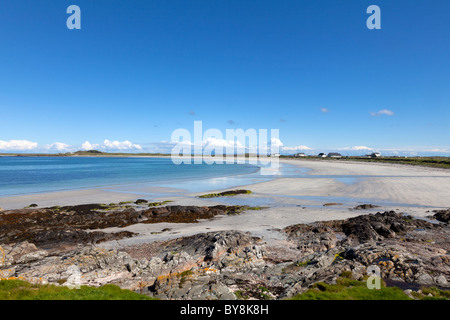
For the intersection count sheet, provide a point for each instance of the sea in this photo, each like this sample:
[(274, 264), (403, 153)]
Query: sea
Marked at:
[(21, 175)]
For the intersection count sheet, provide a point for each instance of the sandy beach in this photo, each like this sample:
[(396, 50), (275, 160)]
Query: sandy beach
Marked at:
[(285, 201), (264, 238), (412, 190)]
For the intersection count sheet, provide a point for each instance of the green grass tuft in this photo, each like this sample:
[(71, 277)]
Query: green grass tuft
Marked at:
[(22, 290), (347, 289)]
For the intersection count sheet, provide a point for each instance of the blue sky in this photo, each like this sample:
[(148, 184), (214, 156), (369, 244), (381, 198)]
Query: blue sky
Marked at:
[(138, 70)]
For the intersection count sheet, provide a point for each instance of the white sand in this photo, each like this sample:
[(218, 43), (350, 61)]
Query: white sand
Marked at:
[(410, 189), (386, 182)]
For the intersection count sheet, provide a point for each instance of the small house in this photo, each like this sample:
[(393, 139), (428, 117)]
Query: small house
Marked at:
[(375, 155), (322, 155), (334, 155), (275, 155)]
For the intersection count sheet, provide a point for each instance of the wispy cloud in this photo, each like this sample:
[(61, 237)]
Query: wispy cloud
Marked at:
[(279, 144), (439, 150), (356, 148), (385, 112), (324, 110), (18, 145), (296, 148)]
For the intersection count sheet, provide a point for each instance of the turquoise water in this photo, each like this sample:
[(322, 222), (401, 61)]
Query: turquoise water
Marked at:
[(25, 175)]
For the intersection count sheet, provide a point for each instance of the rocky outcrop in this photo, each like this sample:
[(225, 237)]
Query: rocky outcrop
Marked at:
[(365, 206), (72, 224), (442, 215), (237, 265)]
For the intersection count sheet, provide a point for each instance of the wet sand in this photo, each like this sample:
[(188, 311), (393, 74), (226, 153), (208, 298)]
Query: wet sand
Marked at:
[(286, 201)]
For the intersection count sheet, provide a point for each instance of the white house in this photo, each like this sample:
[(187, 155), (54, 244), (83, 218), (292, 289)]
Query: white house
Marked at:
[(275, 155), (375, 155)]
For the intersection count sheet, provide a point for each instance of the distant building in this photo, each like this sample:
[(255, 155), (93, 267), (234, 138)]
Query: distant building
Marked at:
[(300, 155), (322, 155), (375, 155), (334, 155), (275, 155)]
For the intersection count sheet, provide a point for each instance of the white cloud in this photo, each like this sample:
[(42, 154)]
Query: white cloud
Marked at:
[(219, 143), (59, 146), (297, 148), (324, 110), (17, 145), (275, 142), (120, 145), (382, 112), (439, 150), (111, 145), (356, 148), (87, 146)]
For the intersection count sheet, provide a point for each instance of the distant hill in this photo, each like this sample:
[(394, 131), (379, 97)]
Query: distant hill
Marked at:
[(87, 152)]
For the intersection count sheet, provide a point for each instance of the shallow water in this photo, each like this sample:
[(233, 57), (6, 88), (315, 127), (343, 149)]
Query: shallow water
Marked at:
[(26, 175)]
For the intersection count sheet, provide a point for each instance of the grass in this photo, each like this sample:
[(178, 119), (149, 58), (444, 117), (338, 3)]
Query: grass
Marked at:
[(240, 295), (22, 290), (437, 294), (224, 194), (435, 162), (347, 289)]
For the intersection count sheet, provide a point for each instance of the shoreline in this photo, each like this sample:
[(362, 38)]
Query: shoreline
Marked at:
[(222, 248), (290, 201), (287, 200), (111, 192), (352, 180)]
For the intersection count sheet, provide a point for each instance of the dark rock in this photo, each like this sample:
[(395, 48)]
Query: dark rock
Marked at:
[(442, 215), (67, 223), (365, 206), (332, 204), (375, 227), (221, 265)]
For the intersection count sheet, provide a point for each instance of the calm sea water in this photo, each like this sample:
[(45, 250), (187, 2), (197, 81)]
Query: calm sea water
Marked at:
[(25, 175)]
